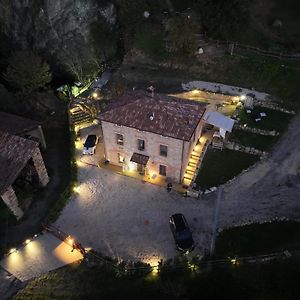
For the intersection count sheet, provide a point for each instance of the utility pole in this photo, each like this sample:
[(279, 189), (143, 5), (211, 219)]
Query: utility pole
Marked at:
[(215, 222), (231, 48)]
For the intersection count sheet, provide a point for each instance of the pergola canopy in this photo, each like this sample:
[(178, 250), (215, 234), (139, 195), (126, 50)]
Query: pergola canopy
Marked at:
[(139, 158)]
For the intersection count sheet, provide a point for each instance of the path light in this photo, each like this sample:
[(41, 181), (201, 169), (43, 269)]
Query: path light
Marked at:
[(154, 270), (12, 250), (95, 95), (27, 241), (78, 144), (71, 241), (193, 267), (234, 261), (79, 163), (35, 235), (242, 97), (202, 140)]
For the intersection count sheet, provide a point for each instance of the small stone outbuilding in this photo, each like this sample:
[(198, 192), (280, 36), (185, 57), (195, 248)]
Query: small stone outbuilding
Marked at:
[(18, 156), (23, 127)]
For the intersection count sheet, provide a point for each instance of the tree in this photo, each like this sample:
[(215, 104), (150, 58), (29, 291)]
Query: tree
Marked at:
[(27, 72), (103, 40), (181, 39), (224, 19), (131, 18)]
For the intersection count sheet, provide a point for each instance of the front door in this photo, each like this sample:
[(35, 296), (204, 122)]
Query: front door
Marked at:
[(141, 169)]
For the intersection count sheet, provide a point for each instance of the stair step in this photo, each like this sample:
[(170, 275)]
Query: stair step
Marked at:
[(186, 182), (187, 176), (191, 168), (193, 160), (189, 172), (192, 165)]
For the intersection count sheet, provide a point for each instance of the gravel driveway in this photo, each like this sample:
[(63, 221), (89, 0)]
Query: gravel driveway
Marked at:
[(128, 219)]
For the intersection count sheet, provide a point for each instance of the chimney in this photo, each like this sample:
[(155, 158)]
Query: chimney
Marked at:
[(151, 116)]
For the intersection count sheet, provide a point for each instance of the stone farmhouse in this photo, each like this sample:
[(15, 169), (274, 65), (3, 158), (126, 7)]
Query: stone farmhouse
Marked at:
[(152, 134)]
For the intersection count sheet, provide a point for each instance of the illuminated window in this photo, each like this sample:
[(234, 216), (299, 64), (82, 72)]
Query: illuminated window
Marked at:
[(121, 158), (163, 150), (120, 139), (162, 170), (141, 145)]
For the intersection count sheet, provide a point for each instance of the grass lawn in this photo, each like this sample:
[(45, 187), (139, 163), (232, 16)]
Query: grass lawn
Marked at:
[(221, 166), (275, 120), (273, 280), (261, 142), (259, 239)]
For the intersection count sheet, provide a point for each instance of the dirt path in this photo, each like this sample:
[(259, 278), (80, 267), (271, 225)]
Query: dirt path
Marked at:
[(271, 189)]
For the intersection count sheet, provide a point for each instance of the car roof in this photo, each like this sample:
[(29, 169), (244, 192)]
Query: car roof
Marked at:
[(179, 221), (91, 136), (90, 140)]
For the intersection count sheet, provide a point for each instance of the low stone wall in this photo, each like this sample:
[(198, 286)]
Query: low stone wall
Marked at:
[(256, 130), (273, 105), (245, 149)]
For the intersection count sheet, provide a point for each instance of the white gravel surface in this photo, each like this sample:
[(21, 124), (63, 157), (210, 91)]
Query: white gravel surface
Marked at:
[(222, 88), (127, 219)]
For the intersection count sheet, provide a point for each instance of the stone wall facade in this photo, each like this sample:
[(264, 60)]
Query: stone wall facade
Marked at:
[(178, 151), (10, 199), (40, 167)]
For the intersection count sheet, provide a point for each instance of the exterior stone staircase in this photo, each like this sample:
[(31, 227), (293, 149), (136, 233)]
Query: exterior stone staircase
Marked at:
[(192, 168), (195, 161), (83, 110), (79, 116)]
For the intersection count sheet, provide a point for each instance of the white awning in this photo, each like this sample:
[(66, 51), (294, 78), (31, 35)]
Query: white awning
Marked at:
[(216, 119)]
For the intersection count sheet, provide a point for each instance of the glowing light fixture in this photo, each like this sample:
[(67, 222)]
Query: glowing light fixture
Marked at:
[(154, 270), (12, 250), (202, 140), (242, 97), (132, 166), (27, 241)]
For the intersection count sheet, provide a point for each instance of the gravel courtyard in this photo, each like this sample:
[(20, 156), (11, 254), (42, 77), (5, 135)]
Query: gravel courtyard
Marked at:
[(125, 218), (128, 219)]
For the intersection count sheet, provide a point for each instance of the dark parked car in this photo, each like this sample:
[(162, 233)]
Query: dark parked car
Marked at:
[(182, 233), (90, 144)]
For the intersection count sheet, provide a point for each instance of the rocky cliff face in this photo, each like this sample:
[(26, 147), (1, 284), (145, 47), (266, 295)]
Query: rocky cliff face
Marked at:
[(53, 27)]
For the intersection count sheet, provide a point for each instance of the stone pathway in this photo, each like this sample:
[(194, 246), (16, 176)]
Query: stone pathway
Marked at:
[(41, 255)]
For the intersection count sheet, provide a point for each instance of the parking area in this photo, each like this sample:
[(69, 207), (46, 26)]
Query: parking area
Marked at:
[(128, 219)]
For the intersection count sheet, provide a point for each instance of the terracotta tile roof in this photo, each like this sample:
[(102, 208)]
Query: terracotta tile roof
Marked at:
[(163, 115), (14, 124), (14, 154)]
